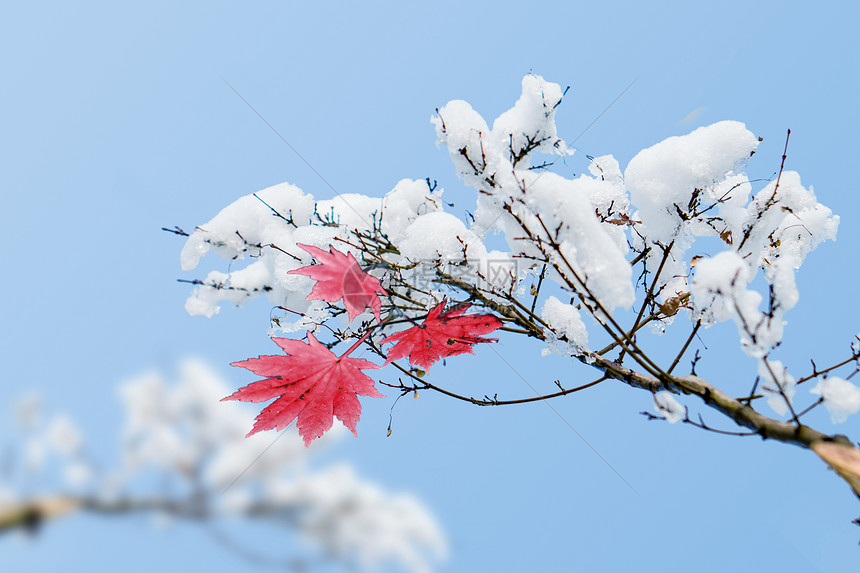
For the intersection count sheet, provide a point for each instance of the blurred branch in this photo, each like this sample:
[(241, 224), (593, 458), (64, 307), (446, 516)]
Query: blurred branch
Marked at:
[(31, 514)]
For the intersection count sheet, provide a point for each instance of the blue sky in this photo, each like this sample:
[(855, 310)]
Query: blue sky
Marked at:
[(115, 121)]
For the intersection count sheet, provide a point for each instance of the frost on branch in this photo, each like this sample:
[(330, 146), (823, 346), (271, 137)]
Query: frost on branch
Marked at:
[(184, 455)]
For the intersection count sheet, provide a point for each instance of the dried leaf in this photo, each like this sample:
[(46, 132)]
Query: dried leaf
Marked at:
[(671, 306)]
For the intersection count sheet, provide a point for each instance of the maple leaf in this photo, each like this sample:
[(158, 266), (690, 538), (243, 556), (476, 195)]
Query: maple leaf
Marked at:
[(441, 335), (339, 276), (311, 383)]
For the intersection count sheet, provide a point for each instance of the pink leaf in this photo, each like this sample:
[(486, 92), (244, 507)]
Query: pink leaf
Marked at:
[(339, 276), (441, 335)]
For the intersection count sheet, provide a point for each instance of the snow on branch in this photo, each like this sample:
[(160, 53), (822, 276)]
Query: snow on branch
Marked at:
[(604, 254), (184, 455)]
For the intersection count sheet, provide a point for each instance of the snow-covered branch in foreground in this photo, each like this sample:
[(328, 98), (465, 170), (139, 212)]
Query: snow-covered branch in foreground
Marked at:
[(184, 456), (588, 262)]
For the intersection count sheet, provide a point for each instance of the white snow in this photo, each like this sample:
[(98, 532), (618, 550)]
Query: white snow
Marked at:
[(250, 228), (248, 221), (181, 445), (28, 411), (668, 407), (662, 178), (352, 519), (682, 188), (553, 207), (402, 205), (440, 237), (841, 397), (565, 322), (64, 436), (777, 384), (586, 245), (719, 291), (531, 122), (775, 232), (688, 191)]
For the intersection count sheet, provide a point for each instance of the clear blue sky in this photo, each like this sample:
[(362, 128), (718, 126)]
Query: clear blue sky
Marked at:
[(114, 122)]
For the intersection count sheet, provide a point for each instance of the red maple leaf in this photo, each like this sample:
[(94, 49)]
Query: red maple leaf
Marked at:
[(441, 335), (338, 277), (311, 383)]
